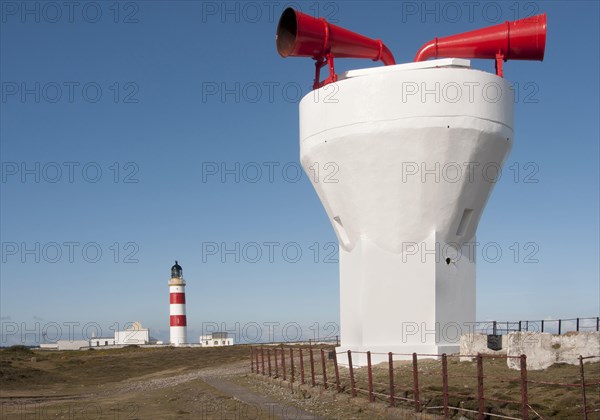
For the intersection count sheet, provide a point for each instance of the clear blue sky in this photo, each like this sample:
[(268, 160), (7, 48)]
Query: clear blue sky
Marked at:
[(138, 86)]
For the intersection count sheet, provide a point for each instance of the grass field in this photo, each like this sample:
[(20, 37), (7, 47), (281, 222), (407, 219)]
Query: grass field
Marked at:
[(38, 370), (128, 383), (500, 383), (163, 383)]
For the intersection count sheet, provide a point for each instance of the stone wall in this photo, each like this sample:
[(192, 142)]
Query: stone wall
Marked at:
[(471, 344), (542, 349)]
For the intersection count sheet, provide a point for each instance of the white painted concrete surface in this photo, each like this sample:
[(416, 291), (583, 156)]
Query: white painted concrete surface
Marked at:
[(72, 344), (209, 340), (544, 349), (102, 341), (472, 344), (402, 155), (132, 336)]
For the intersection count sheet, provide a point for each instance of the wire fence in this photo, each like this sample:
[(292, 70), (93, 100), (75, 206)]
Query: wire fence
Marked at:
[(555, 326), (436, 383)]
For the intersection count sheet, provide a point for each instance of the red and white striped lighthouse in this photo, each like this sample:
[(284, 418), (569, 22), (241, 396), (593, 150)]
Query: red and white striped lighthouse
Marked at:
[(177, 306)]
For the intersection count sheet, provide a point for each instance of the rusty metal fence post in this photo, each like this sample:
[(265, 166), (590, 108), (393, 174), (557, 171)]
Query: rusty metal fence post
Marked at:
[(416, 383), (262, 359), (524, 396), (291, 365), (269, 359), (252, 359), (301, 367), (351, 368), (583, 397), (324, 365), (480, 400), (337, 372), (283, 362), (256, 359), (370, 376), (391, 373), (312, 367), (445, 383), (276, 365)]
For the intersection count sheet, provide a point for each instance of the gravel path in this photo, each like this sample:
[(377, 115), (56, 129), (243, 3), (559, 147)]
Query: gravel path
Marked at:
[(274, 408), (217, 377)]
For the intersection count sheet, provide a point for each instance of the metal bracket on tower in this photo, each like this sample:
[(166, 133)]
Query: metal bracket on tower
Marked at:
[(320, 63), (499, 60)]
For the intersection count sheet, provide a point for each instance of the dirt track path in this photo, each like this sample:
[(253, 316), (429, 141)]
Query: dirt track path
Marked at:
[(274, 408), (186, 393), (219, 378)]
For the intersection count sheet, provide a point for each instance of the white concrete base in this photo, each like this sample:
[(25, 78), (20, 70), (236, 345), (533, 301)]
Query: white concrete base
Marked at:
[(178, 336), (380, 354), (383, 310)]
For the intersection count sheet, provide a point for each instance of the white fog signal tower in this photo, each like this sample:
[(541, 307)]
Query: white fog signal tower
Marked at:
[(178, 320), (417, 148)]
